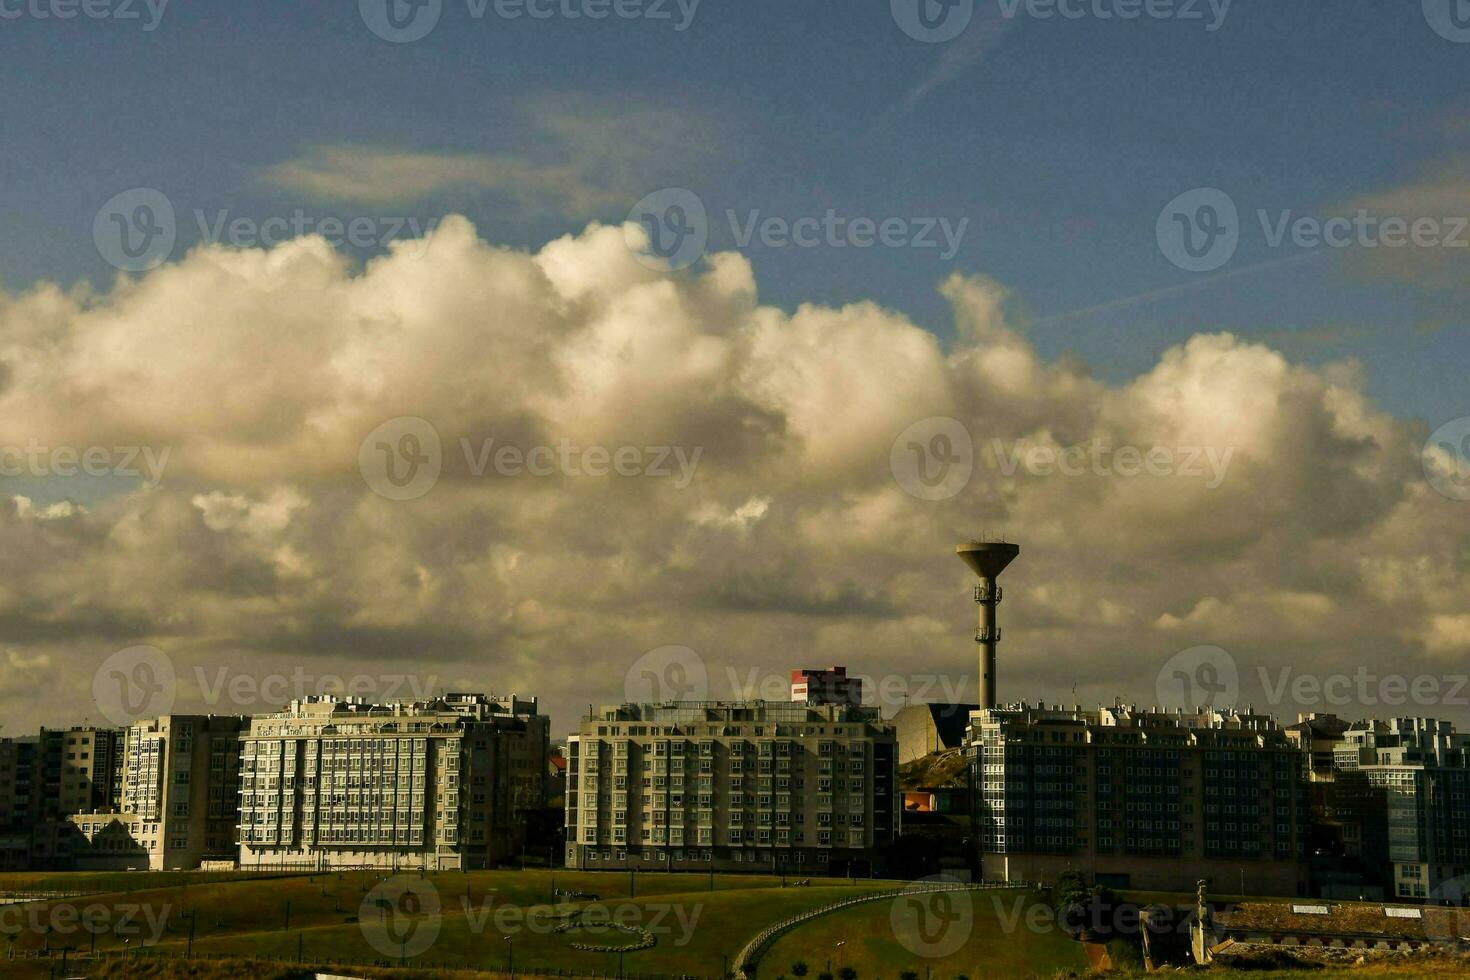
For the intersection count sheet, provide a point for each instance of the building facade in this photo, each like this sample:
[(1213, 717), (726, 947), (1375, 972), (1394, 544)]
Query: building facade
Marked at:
[(1139, 799), (180, 793), (828, 686), (1401, 788), (18, 802), (753, 785), (437, 784)]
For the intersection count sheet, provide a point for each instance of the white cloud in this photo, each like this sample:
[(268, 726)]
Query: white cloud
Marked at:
[(263, 546)]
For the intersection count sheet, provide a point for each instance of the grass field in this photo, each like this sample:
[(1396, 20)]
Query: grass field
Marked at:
[(257, 927), (318, 917), (988, 930)]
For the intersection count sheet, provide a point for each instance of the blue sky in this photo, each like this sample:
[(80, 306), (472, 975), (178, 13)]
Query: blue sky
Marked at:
[(1060, 140)]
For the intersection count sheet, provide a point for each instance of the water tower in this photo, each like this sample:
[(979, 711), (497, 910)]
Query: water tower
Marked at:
[(987, 559)]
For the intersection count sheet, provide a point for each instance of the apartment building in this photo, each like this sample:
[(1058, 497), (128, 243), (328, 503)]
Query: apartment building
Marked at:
[(44, 778), (18, 801), (751, 785), (1401, 790), (438, 784), (1139, 799), (180, 798)]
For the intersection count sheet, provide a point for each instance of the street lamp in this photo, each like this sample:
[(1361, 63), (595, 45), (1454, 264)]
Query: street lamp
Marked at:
[(840, 943), (510, 956)]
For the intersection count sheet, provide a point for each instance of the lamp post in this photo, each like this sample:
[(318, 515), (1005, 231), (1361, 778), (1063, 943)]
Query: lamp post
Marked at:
[(510, 956)]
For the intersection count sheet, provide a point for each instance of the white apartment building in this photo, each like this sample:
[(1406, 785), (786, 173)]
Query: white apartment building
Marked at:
[(437, 784), (752, 785)]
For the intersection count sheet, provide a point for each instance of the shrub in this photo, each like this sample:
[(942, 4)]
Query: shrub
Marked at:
[(798, 969)]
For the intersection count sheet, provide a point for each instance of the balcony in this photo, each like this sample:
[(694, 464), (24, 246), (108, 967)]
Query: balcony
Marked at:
[(987, 593), (987, 634)]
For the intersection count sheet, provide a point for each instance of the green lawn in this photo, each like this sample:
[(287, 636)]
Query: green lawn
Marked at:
[(988, 938), (695, 928), (996, 934)]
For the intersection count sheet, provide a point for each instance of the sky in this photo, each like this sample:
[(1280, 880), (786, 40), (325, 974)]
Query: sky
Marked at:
[(238, 240)]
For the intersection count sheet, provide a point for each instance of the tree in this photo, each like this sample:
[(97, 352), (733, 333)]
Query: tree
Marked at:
[(847, 973), (799, 968), (908, 975), (1070, 889)]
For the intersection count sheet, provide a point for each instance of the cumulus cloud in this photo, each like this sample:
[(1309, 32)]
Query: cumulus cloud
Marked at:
[(265, 550)]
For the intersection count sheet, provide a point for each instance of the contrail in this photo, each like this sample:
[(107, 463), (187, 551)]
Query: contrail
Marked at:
[(1184, 287)]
